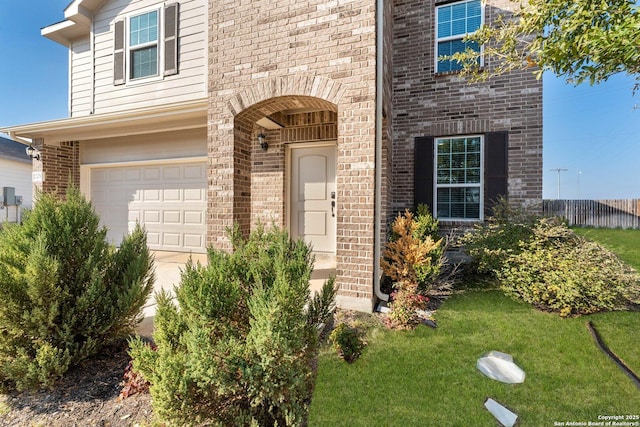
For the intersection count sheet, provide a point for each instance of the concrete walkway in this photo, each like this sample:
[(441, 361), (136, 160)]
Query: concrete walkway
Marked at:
[(168, 266)]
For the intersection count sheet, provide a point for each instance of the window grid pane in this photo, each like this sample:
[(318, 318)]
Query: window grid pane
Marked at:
[(144, 62), (449, 48), (456, 20), (143, 28), (458, 177)]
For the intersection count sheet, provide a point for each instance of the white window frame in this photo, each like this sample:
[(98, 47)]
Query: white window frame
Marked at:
[(158, 43), (457, 36), (479, 185)]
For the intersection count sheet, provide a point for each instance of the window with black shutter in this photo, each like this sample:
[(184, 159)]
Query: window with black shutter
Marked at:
[(460, 177), (496, 168), (423, 172)]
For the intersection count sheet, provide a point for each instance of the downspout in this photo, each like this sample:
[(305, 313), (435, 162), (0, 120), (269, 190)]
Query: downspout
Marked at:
[(377, 210)]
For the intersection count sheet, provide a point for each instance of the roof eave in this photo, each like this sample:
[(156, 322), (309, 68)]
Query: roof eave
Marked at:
[(180, 116), (77, 24), (65, 32)]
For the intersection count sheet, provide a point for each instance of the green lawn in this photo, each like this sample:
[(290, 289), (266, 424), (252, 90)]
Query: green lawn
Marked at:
[(428, 377), (625, 243)]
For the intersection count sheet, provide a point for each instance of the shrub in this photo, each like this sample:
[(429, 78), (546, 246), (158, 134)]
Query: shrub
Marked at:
[(410, 259), (65, 291), (347, 342), (559, 271), (322, 305), (237, 347), (492, 243)]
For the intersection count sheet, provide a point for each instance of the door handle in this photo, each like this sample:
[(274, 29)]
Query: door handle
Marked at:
[(333, 208)]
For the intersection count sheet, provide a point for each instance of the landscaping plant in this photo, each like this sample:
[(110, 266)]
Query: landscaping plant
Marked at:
[(236, 345), (411, 258), (492, 242), (65, 291), (347, 342), (543, 262), (560, 271)]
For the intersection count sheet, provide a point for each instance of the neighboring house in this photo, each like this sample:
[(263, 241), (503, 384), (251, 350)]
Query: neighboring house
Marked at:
[(15, 173), (323, 117)]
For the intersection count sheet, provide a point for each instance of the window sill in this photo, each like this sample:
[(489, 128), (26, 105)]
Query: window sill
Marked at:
[(454, 73), (144, 80)]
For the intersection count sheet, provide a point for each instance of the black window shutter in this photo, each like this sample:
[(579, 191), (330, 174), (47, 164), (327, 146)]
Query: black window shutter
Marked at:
[(118, 53), (171, 39), (496, 168), (423, 172)]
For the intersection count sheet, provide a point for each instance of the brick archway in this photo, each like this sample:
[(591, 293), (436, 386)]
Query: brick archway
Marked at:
[(285, 87), (261, 187), (248, 184)]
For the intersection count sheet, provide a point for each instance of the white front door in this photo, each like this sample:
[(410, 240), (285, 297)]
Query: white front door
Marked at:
[(313, 197)]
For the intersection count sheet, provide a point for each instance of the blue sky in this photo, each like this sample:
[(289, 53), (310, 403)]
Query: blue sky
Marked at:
[(594, 132)]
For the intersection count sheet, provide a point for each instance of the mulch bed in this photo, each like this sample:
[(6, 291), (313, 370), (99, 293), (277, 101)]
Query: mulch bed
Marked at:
[(88, 395)]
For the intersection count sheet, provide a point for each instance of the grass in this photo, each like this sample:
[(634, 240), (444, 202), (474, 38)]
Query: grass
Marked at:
[(625, 243), (428, 376)]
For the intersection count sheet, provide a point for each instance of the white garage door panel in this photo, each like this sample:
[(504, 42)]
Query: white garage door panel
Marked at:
[(169, 200)]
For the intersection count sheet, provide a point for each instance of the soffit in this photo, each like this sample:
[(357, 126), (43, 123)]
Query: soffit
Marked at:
[(77, 23), (188, 115)]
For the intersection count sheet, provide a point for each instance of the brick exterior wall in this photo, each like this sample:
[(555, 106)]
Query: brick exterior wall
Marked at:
[(60, 165), (428, 104), (310, 65), (266, 58)]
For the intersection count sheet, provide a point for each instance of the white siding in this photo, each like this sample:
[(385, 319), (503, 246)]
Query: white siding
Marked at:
[(188, 84), (17, 175), (80, 93)]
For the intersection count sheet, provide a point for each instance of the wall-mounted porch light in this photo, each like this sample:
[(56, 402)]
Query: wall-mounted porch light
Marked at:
[(33, 152), (262, 139)]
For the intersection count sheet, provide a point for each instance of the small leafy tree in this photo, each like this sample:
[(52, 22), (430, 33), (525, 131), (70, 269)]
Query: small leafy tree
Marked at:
[(581, 40), (65, 291), (235, 347)]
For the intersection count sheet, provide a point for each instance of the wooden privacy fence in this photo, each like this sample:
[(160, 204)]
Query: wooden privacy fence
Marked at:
[(596, 213)]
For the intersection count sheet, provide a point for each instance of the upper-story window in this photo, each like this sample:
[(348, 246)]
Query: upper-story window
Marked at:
[(143, 45), (146, 45), (453, 22)]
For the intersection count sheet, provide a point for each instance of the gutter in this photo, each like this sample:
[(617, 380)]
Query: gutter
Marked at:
[(377, 210), (17, 138)]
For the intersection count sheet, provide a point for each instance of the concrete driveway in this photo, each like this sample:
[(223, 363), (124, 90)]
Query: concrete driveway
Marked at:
[(168, 266)]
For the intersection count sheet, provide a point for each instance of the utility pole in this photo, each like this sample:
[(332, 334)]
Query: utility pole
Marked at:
[(559, 170)]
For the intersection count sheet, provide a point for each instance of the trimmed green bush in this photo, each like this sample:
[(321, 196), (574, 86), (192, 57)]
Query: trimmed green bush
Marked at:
[(65, 291), (236, 346), (559, 271)]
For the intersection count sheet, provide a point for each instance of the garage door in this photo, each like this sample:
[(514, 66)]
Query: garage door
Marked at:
[(168, 199)]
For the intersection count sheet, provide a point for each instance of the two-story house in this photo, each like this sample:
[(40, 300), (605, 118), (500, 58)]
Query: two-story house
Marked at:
[(323, 117)]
